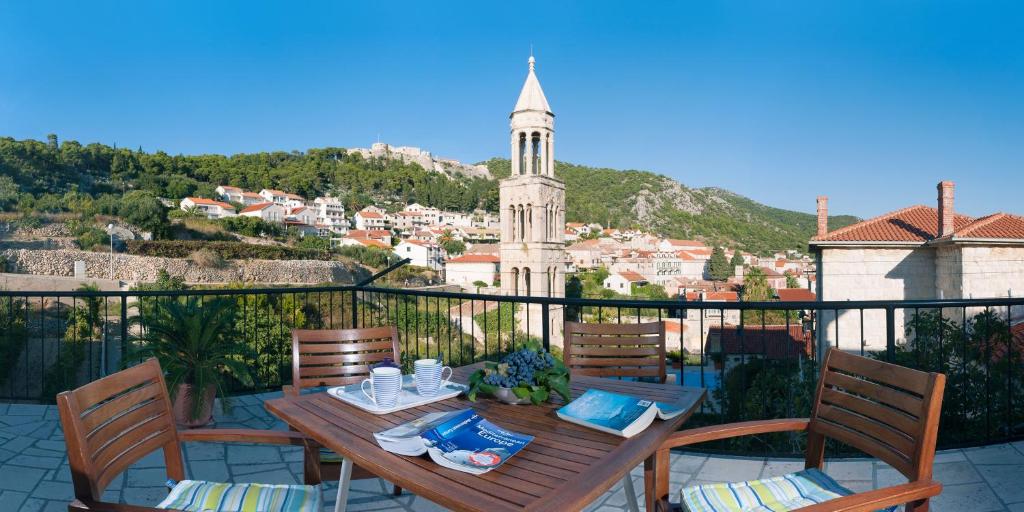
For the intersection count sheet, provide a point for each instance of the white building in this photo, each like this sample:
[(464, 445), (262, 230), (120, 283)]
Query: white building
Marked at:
[(269, 212), (422, 254), (212, 209), (470, 268), (622, 282), (330, 213), (919, 252), (229, 193), (370, 219), (282, 198), (301, 214)]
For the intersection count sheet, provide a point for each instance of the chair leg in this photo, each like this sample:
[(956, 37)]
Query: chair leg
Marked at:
[(631, 501), (397, 491), (343, 484)]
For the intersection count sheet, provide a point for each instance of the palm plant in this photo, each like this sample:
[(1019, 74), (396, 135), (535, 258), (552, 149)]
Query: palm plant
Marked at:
[(196, 344)]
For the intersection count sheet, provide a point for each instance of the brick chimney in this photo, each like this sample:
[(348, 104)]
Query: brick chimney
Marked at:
[(946, 225), (822, 216)]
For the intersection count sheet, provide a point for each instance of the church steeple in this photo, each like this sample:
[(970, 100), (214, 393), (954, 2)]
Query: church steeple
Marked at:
[(533, 128), (532, 96)]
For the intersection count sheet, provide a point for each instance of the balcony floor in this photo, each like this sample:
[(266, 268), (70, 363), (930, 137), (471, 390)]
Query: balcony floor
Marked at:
[(34, 474)]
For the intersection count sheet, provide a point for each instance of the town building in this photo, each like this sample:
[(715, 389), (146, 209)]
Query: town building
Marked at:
[(623, 282), (282, 198), (330, 214), (918, 252), (269, 212), (212, 209), (421, 254), (472, 268), (371, 218)]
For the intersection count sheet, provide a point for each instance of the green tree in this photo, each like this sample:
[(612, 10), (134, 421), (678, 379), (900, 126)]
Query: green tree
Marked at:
[(736, 261), (9, 192), (719, 267), (144, 210), (791, 281)]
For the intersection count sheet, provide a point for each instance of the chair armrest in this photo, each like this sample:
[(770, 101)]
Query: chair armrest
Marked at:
[(245, 435), (879, 498), (744, 428), (102, 506)]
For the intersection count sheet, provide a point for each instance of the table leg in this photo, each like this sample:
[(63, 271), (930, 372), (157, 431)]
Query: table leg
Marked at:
[(630, 491), (656, 479), (344, 481)]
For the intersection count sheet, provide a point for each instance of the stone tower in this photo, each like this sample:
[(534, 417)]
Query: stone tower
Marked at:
[(533, 211)]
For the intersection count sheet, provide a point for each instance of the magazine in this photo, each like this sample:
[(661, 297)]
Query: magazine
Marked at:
[(461, 440), (622, 415)]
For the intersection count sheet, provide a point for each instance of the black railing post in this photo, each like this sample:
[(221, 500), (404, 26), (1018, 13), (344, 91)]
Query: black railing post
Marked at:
[(545, 330), (890, 333), (355, 311), (124, 331)]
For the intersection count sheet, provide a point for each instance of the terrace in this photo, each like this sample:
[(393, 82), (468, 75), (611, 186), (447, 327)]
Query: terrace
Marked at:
[(62, 340)]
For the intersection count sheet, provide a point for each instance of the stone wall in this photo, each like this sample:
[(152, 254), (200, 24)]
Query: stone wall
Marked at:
[(134, 268), (872, 274)]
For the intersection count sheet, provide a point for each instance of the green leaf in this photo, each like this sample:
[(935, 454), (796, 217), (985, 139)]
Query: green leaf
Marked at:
[(539, 396), (488, 388), (521, 391)]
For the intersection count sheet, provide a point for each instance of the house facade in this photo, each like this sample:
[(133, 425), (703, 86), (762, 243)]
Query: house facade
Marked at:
[(919, 252), (266, 211), (212, 209), (470, 268)]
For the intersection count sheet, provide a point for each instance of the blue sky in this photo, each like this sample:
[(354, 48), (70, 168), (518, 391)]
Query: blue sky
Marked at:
[(871, 103)]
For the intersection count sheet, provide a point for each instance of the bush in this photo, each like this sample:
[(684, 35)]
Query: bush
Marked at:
[(250, 226), (369, 256), (226, 250), (207, 259), (90, 238)]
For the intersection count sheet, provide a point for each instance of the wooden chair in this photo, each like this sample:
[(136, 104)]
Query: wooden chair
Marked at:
[(884, 410), (113, 422), (338, 357), (617, 350)]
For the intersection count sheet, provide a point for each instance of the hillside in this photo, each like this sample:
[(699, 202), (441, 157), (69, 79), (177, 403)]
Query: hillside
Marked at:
[(658, 203), (40, 176)]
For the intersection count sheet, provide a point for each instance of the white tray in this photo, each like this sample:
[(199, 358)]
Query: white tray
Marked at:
[(354, 395)]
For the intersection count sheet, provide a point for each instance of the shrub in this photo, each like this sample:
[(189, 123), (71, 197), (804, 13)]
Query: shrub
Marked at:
[(369, 256), (207, 259), (250, 226), (226, 250), (90, 238)]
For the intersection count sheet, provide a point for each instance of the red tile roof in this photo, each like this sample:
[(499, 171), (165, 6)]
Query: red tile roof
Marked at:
[(369, 215), (795, 295), (772, 342), (722, 296), (210, 202), (369, 242), (914, 224), (997, 225), (256, 207), (632, 277), (369, 233), (476, 258), (685, 243)]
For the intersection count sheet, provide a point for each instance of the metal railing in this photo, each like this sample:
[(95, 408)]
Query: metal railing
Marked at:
[(757, 359)]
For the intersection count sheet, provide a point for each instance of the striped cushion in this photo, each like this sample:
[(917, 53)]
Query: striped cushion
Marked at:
[(775, 494), (198, 496)]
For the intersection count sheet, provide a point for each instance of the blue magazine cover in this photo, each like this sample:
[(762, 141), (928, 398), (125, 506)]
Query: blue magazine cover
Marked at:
[(622, 415), (461, 440)]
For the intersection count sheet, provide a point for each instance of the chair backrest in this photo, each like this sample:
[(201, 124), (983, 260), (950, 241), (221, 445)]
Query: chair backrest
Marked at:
[(616, 350), (336, 357), (111, 423), (882, 409)]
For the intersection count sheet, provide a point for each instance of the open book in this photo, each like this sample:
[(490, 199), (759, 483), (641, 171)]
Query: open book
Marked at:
[(622, 415), (461, 440)]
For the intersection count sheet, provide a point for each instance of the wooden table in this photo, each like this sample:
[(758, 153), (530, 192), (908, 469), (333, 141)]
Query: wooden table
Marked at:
[(566, 467)]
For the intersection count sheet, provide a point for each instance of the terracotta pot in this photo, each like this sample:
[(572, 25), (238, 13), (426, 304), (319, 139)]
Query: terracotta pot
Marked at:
[(183, 405)]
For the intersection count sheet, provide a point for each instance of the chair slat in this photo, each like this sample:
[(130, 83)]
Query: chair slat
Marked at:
[(868, 426), (614, 340), (614, 361), (892, 417), (865, 444), (905, 402), (343, 348), (615, 351), (618, 329), (891, 375), (320, 371), (104, 412), (125, 422)]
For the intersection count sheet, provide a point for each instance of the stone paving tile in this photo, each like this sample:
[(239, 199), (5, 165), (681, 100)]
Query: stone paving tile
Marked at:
[(15, 478), (1005, 481), (997, 454), (727, 469), (850, 469), (973, 497), (951, 473)]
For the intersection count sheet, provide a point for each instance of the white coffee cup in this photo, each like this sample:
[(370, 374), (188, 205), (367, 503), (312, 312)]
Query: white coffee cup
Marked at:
[(385, 384), (429, 376)]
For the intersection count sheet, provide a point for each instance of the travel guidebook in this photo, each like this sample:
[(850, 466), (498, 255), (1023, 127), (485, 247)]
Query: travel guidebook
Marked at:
[(622, 415), (461, 440)]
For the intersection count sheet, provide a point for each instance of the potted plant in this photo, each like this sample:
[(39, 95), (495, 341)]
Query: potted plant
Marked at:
[(675, 358), (195, 343), (525, 376), (718, 359)]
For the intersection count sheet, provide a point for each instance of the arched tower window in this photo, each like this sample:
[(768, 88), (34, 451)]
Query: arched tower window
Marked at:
[(515, 281), (529, 223), (526, 279), (511, 229), (548, 169), (522, 153), (522, 224), (535, 146)]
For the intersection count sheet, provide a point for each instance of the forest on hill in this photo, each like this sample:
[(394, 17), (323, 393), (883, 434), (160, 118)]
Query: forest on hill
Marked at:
[(38, 176)]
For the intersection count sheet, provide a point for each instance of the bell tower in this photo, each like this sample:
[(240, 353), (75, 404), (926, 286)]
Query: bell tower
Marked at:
[(532, 203)]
